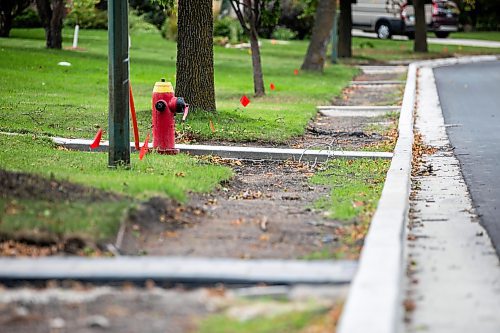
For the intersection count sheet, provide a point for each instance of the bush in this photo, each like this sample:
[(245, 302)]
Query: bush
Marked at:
[(86, 15), (298, 16), (282, 33), (27, 19), (229, 28), (169, 27), (137, 23)]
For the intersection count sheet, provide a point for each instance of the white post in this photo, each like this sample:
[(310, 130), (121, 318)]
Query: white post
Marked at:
[(75, 36)]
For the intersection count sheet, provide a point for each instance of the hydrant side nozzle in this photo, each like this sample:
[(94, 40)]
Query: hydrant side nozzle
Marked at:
[(180, 105), (161, 106)]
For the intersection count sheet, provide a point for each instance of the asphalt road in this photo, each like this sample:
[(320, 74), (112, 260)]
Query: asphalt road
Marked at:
[(470, 99)]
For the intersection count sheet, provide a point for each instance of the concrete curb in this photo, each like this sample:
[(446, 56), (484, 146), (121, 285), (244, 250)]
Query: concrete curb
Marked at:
[(246, 153), (375, 298), (177, 270)]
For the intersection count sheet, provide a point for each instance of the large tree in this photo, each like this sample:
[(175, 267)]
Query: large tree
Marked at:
[(345, 27), (323, 24), (195, 54), (252, 14), (420, 44), (9, 9), (51, 14)]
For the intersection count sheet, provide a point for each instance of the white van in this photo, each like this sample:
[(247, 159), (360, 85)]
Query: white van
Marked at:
[(396, 17)]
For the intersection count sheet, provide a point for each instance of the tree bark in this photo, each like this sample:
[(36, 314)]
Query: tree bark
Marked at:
[(420, 44), (9, 9), (51, 14), (195, 55), (5, 24), (345, 27), (323, 24)]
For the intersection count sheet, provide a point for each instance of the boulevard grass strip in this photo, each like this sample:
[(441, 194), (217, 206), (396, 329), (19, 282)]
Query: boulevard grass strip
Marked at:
[(156, 175), (381, 51), (293, 322), (356, 186), (480, 35), (38, 96)]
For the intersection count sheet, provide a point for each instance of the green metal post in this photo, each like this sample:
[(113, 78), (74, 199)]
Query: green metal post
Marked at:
[(335, 38), (119, 140)]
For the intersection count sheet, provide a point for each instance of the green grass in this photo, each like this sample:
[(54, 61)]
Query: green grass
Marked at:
[(376, 50), (481, 35), (171, 176), (37, 95), (287, 323), (356, 186), (156, 174), (97, 221)]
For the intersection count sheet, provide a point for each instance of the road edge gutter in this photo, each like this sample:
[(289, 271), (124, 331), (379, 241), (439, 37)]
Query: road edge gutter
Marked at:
[(374, 302)]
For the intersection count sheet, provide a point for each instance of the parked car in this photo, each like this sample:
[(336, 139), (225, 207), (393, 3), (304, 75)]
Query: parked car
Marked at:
[(397, 17)]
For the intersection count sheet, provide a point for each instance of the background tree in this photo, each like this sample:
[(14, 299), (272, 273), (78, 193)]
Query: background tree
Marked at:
[(323, 23), (9, 9), (420, 44), (252, 14), (345, 27), (51, 14), (195, 54)]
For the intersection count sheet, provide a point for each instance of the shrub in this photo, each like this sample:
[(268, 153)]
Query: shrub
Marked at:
[(229, 28), (298, 16), (169, 27), (282, 33), (86, 15), (27, 19), (137, 23)]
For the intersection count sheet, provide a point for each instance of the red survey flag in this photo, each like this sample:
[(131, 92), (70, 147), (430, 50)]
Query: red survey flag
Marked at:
[(244, 101), (144, 148), (97, 139), (272, 86)]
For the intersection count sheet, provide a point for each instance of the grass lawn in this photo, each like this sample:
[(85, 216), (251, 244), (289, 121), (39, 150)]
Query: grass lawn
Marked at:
[(352, 202), (376, 50), (171, 176), (37, 95), (481, 35)]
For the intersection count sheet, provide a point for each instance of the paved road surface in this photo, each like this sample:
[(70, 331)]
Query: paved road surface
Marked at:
[(442, 41), (470, 99)]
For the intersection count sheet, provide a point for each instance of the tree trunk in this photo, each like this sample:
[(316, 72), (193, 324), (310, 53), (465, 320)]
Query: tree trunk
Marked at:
[(258, 79), (420, 44), (9, 9), (345, 27), (195, 54), (52, 14), (5, 24), (323, 24)]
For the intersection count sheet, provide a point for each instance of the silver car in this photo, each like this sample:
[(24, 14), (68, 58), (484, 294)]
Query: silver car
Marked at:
[(396, 17)]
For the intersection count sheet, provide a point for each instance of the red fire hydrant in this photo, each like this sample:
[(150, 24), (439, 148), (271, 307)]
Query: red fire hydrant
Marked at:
[(165, 106)]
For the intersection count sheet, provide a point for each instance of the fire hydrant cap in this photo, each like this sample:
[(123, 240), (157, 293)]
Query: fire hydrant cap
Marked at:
[(163, 87)]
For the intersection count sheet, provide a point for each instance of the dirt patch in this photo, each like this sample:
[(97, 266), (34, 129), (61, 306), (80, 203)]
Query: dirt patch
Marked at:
[(370, 95), (29, 186), (264, 212), (343, 133)]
